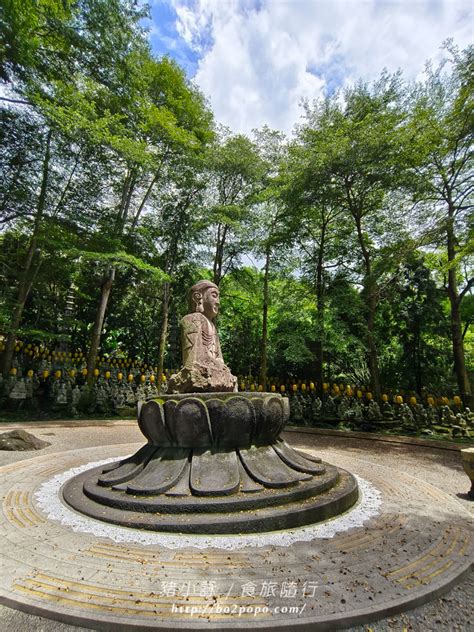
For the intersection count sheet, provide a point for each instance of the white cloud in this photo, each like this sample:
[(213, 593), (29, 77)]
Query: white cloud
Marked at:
[(258, 58)]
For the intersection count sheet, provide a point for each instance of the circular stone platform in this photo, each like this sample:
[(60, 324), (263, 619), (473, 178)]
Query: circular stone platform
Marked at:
[(214, 463), (404, 543), (316, 499)]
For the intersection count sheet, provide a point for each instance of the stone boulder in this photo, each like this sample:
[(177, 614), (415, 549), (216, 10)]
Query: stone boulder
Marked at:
[(21, 441)]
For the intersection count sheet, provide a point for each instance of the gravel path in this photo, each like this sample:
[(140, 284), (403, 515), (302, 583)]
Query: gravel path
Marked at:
[(441, 468)]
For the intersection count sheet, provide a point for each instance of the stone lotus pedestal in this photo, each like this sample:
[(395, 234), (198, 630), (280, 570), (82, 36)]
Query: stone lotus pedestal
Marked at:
[(214, 463)]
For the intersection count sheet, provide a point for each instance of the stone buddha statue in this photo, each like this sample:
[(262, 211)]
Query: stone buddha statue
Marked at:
[(204, 369)]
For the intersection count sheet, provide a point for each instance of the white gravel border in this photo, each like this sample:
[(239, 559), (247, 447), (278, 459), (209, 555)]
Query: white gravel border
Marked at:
[(48, 499)]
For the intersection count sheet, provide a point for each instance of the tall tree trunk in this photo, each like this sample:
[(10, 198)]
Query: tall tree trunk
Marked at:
[(105, 288), (164, 331), (26, 280), (319, 347), (154, 180), (370, 306), (109, 278), (417, 363), (125, 200), (462, 376), (219, 255), (264, 341), (215, 267), (372, 355), (460, 370), (144, 201), (170, 269)]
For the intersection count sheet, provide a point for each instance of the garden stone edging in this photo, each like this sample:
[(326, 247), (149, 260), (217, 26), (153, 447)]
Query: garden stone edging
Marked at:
[(427, 443)]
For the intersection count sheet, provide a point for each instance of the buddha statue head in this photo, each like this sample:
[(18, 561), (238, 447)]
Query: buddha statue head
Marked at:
[(204, 298)]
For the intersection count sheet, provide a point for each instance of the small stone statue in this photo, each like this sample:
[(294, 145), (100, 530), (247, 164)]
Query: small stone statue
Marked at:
[(101, 399), (118, 398), (432, 415), (373, 411), (468, 418), (407, 417), (203, 368), (30, 384), (151, 391), (19, 390), (296, 410), (420, 415), (343, 407), (316, 406), (460, 429), (357, 411), (140, 394), (61, 397), (130, 396), (329, 407), (447, 416), (388, 411), (75, 397)]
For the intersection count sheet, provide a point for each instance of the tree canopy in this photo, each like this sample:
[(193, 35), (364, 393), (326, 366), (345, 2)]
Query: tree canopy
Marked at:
[(342, 253)]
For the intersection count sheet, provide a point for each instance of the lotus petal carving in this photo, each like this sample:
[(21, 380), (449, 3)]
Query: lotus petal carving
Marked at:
[(219, 420)]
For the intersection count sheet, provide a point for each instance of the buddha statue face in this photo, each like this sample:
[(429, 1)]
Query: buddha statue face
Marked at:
[(210, 303), (204, 298)]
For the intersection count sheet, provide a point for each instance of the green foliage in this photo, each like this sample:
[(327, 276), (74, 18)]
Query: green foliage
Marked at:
[(240, 323), (415, 319), (359, 228), (119, 260)]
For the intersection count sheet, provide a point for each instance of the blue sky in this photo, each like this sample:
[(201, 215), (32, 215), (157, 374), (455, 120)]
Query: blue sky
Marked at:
[(166, 40), (256, 59)]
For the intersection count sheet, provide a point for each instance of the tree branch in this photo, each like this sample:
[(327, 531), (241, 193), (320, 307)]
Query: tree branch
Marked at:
[(19, 101), (462, 294)]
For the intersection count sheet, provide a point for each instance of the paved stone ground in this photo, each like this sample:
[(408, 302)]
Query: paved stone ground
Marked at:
[(438, 468), (442, 468), (452, 612)]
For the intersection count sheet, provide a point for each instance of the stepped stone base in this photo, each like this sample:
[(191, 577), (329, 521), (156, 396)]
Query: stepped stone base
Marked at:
[(214, 463), (252, 509)]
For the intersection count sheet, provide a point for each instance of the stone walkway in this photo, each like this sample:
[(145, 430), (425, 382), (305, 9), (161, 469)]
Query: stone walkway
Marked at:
[(413, 548)]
